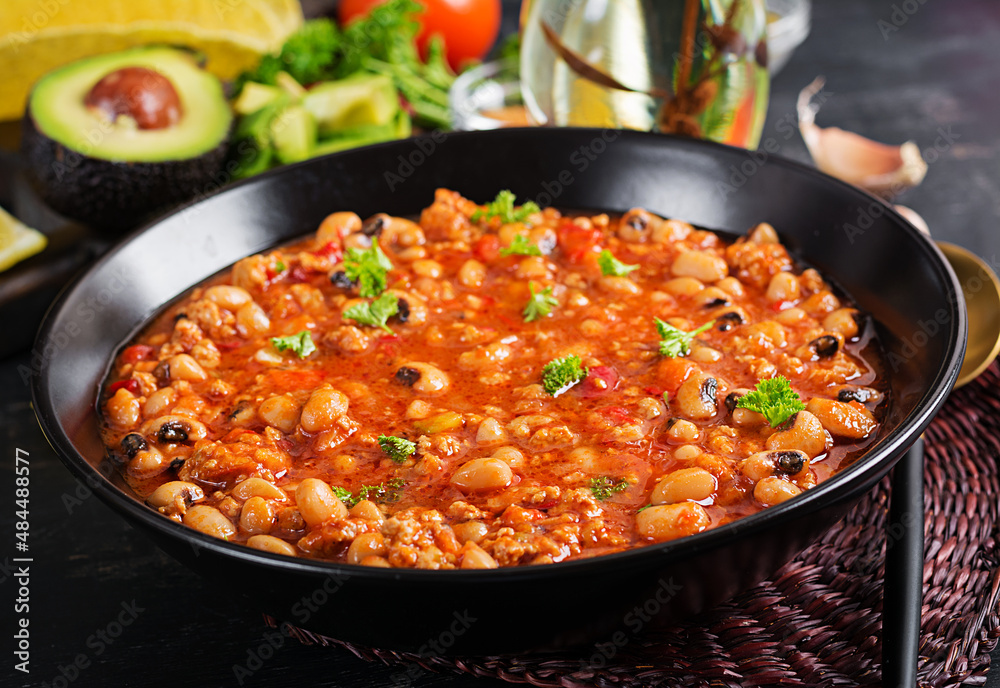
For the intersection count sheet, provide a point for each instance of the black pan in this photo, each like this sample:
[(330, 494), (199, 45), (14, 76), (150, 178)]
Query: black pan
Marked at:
[(892, 271)]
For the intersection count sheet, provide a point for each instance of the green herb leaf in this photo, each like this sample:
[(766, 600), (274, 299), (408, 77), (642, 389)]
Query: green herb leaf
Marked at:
[(375, 313), (666, 398), (676, 342), (612, 266), (503, 207), (520, 246), (383, 492), (560, 374), (397, 448), (280, 266), (342, 493), (604, 487), (300, 343), (540, 304), (774, 399), (367, 267)]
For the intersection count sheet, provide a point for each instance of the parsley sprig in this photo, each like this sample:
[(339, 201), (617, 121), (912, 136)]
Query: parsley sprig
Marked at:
[(604, 487), (383, 492), (398, 448), (774, 399), (503, 207), (540, 304), (520, 246), (300, 343), (368, 267), (612, 266), (560, 374), (675, 342), (375, 313)]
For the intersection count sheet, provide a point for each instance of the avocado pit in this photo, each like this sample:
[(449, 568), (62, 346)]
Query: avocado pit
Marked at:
[(144, 95)]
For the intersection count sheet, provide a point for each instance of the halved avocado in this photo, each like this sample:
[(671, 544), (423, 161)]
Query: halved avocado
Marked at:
[(112, 169)]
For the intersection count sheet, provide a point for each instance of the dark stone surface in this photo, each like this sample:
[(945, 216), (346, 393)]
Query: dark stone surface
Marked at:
[(936, 77)]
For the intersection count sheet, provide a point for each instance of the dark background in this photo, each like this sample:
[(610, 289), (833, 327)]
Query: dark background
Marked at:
[(935, 80)]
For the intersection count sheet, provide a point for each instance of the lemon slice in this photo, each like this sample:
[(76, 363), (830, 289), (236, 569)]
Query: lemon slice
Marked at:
[(41, 35), (17, 240)]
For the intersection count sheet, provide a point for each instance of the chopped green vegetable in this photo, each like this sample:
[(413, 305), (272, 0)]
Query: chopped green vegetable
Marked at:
[(666, 398), (397, 448), (375, 313), (676, 342), (503, 207), (612, 266), (540, 304), (300, 343), (560, 374), (342, 493), (367, 267), (442, 422), (520, 246), (774, 399), (643, 508), (604, 487), (279, 266), (383, 492)]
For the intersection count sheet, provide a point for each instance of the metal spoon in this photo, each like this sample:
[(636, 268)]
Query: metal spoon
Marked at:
[(981, 288)]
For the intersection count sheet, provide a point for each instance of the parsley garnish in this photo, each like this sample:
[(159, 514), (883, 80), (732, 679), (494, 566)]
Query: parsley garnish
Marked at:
[(560, 374), (774, 399), (397, 448), (375, 313), (520, 246), (503, 208), (279, 266), (300, 343), (604, 487), (383, 492), (540, 304), (676, 342), (367, 267), (612, 266)]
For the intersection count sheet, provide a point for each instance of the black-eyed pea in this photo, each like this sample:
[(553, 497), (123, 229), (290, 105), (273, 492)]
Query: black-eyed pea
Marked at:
[(491, 432), (696, 398), (683, 286), (424, 378), (228, 296), (701, 265), (123, 409), (510, 456), (365, 545), (637, 225), (427, 268), (774, 490), (210, 521), (820, 303), (482, 474), (367, 510), (680, 431), (851, 420), (281, 412), (763, 234), (533, 267), (843, 321), (687, 452), (472, 274), (257, 516), (148, 463), (758, 466), (336, 226), (258, 487), (376, 561), (470, 531), (317, 503), (184, 367), (176, 495), (670, 231), (159, 401), (175, 428), (731, 286), (323, 408), (784, 286), (791, 316), (767, 334), (711, 297), (671, 521), (805, 434), (702, 353), (686, 484), (269, 543), (475, 557), (251, 320), (619, 285)]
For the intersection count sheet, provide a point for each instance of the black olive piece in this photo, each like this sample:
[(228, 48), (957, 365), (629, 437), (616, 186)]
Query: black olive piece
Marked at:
[(709, 388), (407, 376), (825, 346), (858, 394), (177, 463), (790, 462), (638, 223), (374, 226), (403, 314), (340, 280), (716, 302), (732, 399), (727, 321), (173, 431), (132, 444)]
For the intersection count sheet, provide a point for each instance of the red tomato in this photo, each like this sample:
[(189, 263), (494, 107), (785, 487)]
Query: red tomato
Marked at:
[(128, 385), (136, 353), (576, 241), (600, 380), (469, 27), (487, 248)]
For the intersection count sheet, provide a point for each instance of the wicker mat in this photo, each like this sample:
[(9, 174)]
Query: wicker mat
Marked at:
[(817, 622)]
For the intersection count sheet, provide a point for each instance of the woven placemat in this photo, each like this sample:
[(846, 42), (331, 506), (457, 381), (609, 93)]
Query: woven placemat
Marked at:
[(817, 622)]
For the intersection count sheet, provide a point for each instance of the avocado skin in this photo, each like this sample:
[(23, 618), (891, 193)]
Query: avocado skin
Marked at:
[(115, 196)]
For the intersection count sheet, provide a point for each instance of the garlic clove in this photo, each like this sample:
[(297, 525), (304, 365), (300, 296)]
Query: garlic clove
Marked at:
[(873, 166), (914, 218)]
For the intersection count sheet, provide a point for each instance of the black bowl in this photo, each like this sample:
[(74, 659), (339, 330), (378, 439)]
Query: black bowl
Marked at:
[(890, 269)]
